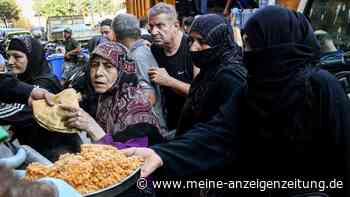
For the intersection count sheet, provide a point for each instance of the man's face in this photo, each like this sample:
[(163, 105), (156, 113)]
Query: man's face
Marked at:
[(66, 35), (107, 32), (162, 29)]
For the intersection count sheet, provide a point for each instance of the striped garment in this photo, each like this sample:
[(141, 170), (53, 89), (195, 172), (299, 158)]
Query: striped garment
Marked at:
[(7, 110)]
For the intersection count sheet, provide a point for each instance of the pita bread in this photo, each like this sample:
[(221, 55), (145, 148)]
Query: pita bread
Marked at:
[(51, 117)]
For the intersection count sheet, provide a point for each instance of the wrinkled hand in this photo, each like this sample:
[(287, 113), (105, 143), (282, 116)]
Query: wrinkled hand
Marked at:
[(78, 118), (160, 76), (152, 159), (39, 93)]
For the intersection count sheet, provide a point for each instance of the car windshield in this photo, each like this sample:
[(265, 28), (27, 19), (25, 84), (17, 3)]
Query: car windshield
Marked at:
[(332, 16), (12, 35), (75, 28)]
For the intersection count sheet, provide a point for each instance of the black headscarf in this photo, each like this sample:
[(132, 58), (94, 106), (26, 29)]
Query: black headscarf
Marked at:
[(221, 71), (283, 51), (225, 53), (297, 113), (37, 64), (218, 33)]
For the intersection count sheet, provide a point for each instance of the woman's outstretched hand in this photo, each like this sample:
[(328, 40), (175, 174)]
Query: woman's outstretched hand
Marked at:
[(152, 159)]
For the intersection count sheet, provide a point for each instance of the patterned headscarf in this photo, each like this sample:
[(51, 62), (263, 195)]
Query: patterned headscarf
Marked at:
[(124, 104)]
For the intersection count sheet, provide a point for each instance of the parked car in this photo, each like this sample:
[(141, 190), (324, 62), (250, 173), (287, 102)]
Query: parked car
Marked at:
[(333, 17)]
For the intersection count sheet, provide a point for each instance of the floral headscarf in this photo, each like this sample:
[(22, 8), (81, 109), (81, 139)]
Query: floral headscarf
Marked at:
[(124, 104)]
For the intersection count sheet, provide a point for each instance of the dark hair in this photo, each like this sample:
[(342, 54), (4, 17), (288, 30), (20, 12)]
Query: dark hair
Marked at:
[(126, 26), (106, 22), (143, 21), (188, 20), (147, 37)]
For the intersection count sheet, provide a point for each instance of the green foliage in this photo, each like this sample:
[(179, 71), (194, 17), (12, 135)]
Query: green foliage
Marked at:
[(8, 11), (75, 7)]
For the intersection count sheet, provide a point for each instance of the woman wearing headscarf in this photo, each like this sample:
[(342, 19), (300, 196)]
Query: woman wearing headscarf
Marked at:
[(30, 68), (117, 112), (300, 112), (296, 117), (214, 51)]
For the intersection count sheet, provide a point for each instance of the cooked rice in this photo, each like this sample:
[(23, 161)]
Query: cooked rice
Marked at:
[(94, 168)]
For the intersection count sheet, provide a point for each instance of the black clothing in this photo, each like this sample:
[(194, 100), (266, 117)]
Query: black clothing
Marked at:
[(93, 42), (208, 92), (26, 130), (14, 90), (220, 75), (292, 121), (69, 45), (180, 67)]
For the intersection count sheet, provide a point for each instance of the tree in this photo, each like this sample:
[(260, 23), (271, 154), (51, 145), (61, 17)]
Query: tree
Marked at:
[(51, 7), (8, 11), (73, 7)]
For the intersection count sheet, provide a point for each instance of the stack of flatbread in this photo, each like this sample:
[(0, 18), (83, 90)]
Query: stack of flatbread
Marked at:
[(51, 117)]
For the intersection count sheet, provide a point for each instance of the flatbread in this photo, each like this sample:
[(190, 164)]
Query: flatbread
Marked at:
[(51, 117)]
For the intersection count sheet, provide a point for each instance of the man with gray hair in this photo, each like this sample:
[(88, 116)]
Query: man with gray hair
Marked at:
[(127, 30), (171, 49)]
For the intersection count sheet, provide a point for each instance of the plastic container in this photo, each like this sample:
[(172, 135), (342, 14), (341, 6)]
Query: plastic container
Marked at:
[(3, 134), (56, 61)]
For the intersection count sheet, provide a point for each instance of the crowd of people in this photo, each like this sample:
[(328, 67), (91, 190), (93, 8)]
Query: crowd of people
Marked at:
[(193, 103)]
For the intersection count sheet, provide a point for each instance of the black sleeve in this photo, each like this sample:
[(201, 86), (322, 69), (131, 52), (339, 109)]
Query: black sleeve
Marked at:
[(230, 81), (13, 90), (92, 44), (21, 118), (50, 84), (218, 140), (155, 52)]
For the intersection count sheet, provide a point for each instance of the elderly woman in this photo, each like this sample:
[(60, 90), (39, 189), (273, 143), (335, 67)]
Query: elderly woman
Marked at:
[(29, 69), (117, 112)]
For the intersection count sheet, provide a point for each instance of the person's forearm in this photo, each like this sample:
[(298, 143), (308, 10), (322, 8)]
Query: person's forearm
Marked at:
[(179, 87), (190, 151), (13, 90), (196, 71), (96, 132), (218, 138), (227, 7), (76, 50), (228, 4)]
